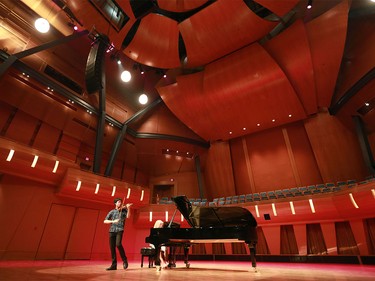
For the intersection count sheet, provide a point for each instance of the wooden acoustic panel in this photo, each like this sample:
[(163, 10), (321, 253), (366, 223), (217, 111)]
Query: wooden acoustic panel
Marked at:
[(160, 49), (228, 97), (221, 28), (20, 164), (180, 6), (327, 35), (280, 8), (291, 51), (89, 190)]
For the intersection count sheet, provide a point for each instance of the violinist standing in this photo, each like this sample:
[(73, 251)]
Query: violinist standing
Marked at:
[(116, 218)]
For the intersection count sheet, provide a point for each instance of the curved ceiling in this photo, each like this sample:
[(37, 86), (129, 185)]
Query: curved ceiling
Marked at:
[(233, 64)]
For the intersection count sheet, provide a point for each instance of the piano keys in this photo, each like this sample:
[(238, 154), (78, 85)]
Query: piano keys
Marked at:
[(208, 225)]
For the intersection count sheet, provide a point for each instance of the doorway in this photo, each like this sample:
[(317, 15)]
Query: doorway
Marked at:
[(162, 190)]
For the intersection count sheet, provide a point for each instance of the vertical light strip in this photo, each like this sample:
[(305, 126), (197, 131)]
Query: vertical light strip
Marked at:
[(292, 207), (166, 215), (78, 185), (97, 188), (373, 193), (274, 209), (10, 155), (353, 201), (142, 194), (36, 157), (127, 197), (312, 206), (257, 211), (182, 218), (113, 191), (150, 215), (56, 166)]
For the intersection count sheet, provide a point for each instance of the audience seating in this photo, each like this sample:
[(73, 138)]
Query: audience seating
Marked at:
[(279, 193), (271, 195), (249, 198)]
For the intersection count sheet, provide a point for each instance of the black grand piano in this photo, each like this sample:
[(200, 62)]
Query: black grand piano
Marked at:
[(208, 225)]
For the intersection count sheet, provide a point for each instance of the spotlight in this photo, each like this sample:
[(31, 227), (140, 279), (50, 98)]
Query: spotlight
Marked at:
[(309, 4), (141, 69), (42, 25), (143, 99), (126, 76)]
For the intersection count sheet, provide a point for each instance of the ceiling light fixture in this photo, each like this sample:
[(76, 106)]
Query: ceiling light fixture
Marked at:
[(42, 25), (126, 76), (143, 99), (309, 4)]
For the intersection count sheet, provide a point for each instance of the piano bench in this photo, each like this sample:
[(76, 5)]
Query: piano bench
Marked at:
[(150, 253)]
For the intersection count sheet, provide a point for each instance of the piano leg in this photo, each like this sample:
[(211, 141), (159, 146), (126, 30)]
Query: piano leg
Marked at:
[(172, 257), (186, 255), (252, 255)]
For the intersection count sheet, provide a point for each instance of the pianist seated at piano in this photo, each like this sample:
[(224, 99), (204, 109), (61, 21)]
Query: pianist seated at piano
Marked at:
[(207, 225), (163, 249)]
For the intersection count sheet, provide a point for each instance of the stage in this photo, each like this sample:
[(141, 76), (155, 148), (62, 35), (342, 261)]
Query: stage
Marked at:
[(199, 270)]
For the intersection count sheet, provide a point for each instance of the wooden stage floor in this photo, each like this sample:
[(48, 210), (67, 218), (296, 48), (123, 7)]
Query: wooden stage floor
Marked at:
[(199, 270)]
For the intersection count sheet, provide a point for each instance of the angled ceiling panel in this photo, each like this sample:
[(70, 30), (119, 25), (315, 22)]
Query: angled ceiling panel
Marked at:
[(180, 6), (278, 7), (156, 37), (219, 29), (240, 91), (291, 50), (327, 35)]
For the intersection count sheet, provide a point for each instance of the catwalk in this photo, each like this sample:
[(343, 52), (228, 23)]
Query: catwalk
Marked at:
[(199, 270)]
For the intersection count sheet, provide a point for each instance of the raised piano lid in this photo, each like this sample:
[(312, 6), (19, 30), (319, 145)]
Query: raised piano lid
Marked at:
[(213, 216)]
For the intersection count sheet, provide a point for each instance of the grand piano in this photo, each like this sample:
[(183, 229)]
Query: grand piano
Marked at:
[(208, 225)]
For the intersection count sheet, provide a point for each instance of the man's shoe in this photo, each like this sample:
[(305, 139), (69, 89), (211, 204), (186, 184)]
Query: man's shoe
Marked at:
[(112, 267), (126, 264)]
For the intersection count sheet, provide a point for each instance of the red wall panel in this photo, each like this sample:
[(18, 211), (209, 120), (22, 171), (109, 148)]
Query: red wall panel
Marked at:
[(84, 226), (241, 170), (56, 233), (306, 165), (47, 138), (22, 128), (5, 111), (270, 163)]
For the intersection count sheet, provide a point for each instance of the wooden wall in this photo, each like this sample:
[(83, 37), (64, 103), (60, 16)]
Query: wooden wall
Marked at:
[(42, 225), (319, 150)]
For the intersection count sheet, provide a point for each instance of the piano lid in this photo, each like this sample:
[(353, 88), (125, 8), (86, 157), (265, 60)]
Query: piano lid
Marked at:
[(213, 216)]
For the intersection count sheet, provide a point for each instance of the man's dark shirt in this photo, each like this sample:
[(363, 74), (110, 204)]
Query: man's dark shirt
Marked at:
[(116, 214)]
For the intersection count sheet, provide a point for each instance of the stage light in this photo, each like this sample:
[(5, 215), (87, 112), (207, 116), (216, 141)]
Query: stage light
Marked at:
[(42, 25), (143, 99), (126, 76), (309, 4)]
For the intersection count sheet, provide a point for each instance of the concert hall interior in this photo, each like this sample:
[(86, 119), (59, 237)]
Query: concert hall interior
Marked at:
[(257, 114)]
